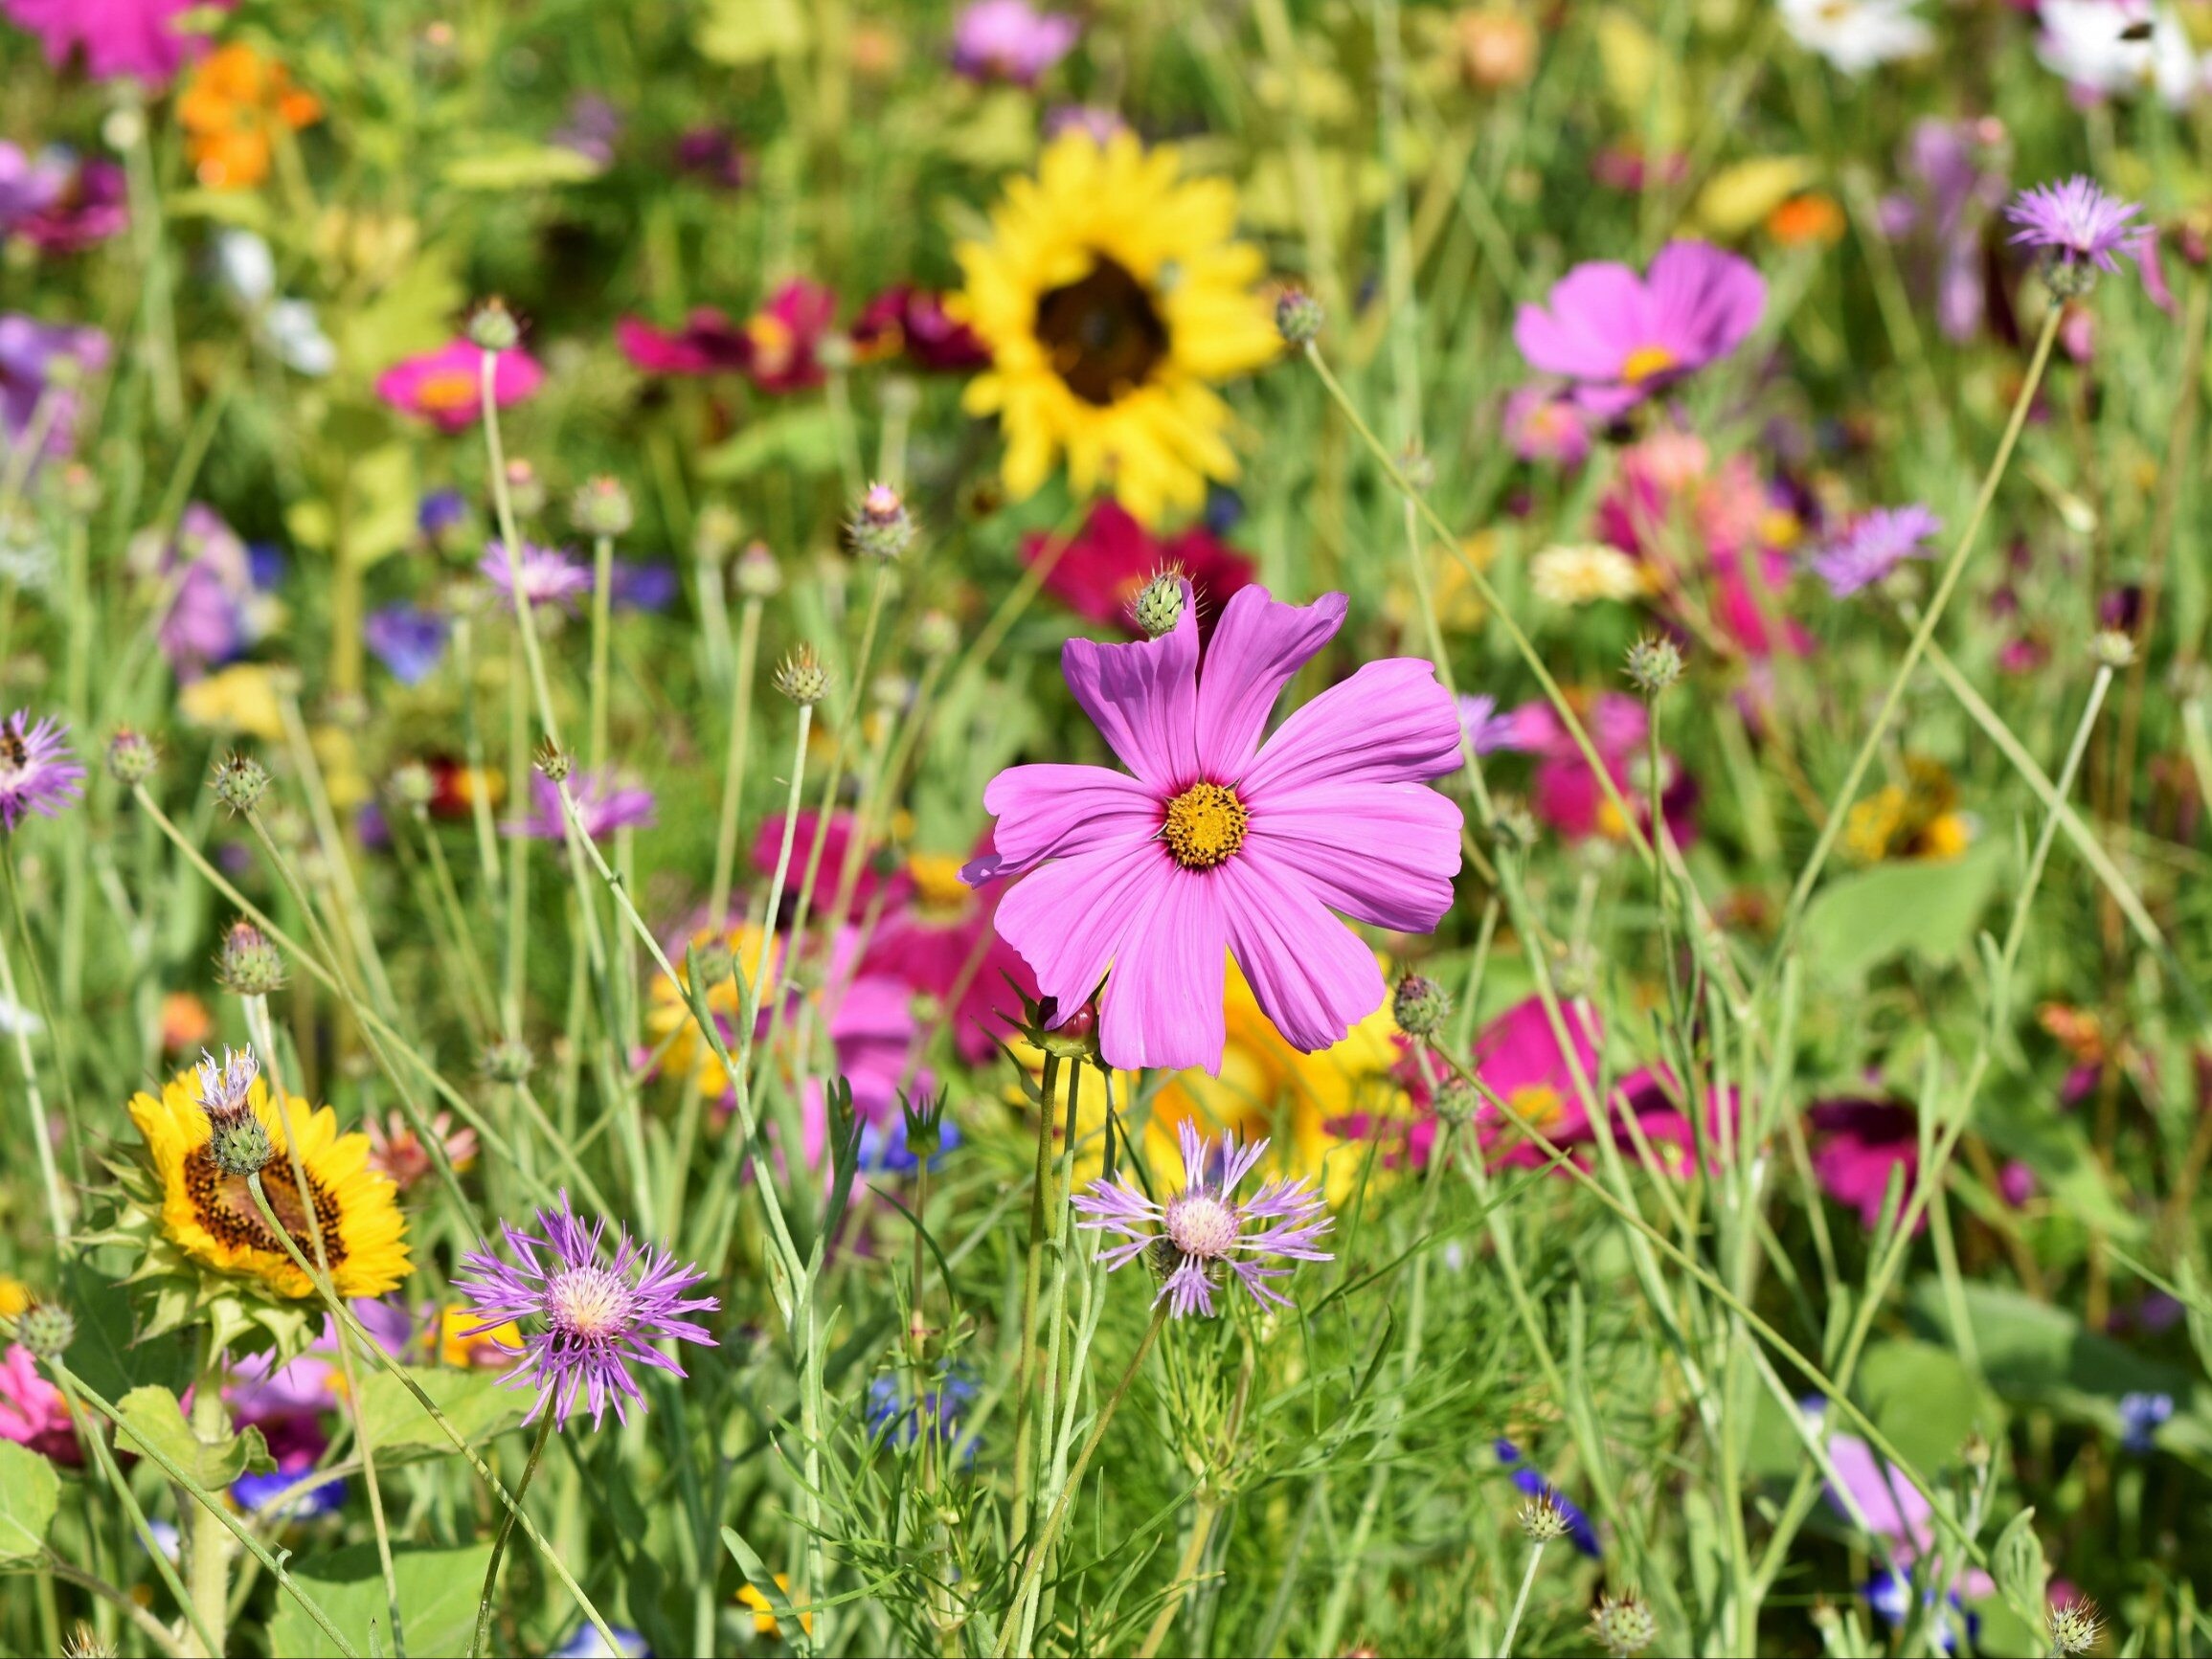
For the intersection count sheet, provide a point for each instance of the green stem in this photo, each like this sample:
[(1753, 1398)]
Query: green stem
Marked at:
[(602, 631), (1521, 1600), (204, 1564), (35, 1107), (506, 1527)]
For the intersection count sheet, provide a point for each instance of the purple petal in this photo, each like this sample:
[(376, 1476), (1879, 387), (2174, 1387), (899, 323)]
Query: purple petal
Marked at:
[(1068, 919), (1053, 811), (1389, 723), (1382, 853)]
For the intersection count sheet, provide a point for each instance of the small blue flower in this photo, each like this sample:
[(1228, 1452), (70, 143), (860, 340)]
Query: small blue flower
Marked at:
[(643, 585), (588, 1643), (884, 1147), (1890, 1594), (2140, 1418), (254, 1491), (892, 1416), (439, 511), (407, 640), (1525, 1479)]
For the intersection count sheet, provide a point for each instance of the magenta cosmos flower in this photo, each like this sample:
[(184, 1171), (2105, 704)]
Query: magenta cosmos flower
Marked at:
[(135, 37), (1008, 40), (445, 387), (587, 1317), (1218, 843), (1619, 337)]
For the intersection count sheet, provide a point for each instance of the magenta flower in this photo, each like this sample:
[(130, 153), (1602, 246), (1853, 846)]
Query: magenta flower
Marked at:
[(604, 802), (1620, 337), (1007, 40), (782, 340), (1204, 1233), (2075, 223), (117, 37), (1565, 793), (38, 774), (587, 1321), (549, 576), (82, 202), (32, 1410), (1874, 545), (708, 342), (1219, 844), (445, 387), (1856, 1145)]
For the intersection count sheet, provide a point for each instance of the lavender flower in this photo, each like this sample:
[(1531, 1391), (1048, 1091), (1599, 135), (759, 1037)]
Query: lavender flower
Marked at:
[(596, 1318), (28, 351), (1007, 40), (603, 801), (942, 1411), (2076, 223), (1875, 543), (1196, 1235), (407, 640), (38, 774), (549, 576), (1487, 729)]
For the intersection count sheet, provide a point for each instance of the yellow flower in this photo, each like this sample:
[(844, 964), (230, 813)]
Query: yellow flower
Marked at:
[(213, 1218), (239, 698), (1111, 296), (1916, 820), (495, 1348), (1581, 573), (669, 1018), (763, 1618), (14, 1296)]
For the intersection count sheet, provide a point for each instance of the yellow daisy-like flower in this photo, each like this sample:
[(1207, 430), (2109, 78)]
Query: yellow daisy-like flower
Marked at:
[(213, 1218), (1111, 295), (669, 1016)]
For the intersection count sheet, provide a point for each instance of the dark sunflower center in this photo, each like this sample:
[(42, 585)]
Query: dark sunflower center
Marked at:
[(226, 1208), (1102, 334)]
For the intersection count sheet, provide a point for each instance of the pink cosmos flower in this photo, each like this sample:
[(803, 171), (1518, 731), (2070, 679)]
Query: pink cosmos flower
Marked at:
[(947, 945), (836, 841), (444, 385), (1007, 40), (117, 37), (1564, 792), (1220, 844), (1856, 1145), (1542, 424), (32, 1412), (708, 342), (1620, 337), (1102, 570)]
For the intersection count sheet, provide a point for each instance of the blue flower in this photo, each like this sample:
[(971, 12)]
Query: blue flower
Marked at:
[(588, 1643), (890, 1414), (1525, 1479), (2140, 1417), (1890, 1594), (254, 1491), (884, 1147), (407, 640), (439, 511), (643, 585)]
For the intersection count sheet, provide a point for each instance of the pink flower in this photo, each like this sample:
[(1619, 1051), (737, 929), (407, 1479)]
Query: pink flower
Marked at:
[(1112, 556), (1007, 40), (445, 386), (836, 840), (1621, 337), (605, 803), (783, 339), (709, 343), (940, 937), (905, 318), (32, 1412), (1855, 1145), (1564, 792), (117, 37), (1218, 845), (1542, 425)]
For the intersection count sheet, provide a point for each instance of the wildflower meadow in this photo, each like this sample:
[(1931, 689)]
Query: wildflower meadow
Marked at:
[(1105, 827)]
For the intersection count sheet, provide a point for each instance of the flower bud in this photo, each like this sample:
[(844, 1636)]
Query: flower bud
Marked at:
[(555, 762), (508, 1061), (714, 964), (1158, 604), (79, 487), (2075, 1624), (2111, 648), (1299, 317), (602, 507), (802, 677), (239, 782), (1417, 468), (1074, 1037), (1543, 1520), (713, 533), (492, 326), (132, 757), (248, 965), (758, 576), (47, 1329), (1623, 1625), (525, 489), (936, 634), (882, 529), (1655, 662), (1420, 1006), (241, 1146), (412, 785), (1456, 1100)]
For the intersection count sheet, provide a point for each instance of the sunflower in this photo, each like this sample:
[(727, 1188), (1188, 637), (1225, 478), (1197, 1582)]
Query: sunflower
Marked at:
[(212, 1216), (1110, 295)]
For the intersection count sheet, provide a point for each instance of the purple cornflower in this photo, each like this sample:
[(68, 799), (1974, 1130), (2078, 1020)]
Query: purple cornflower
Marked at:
[(549, 576), (37, 774), (942, 1410), (1008, 40), (603, 802), (407, 640), (1196, 1235), (643, 585), (2077, 223), (592, 1319), (439, 511), (1875, 543)]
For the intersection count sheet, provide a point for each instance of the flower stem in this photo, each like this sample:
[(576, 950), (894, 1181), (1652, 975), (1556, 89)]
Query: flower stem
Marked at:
[(208, 1577), (1521, 1600), (734, 772), (1026, 1408), (35, 1104), (602, 631), (1202, 1520), (538, 1446)]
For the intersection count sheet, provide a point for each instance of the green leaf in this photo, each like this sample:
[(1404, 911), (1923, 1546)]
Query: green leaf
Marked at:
[(1924, 1400), (108, 1352), (520, 166), (438, 1595), (758, 1574), (151, 1417), (383, 495), (1863, 920), (742, 32), (473, 1402), (28, 1490), (803, 439), (2017, 1563), (2034, 1352)]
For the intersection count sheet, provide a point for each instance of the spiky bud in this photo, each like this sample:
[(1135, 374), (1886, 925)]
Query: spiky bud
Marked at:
[(2075, 1625), (47, 1329), (554, 761), (936, 634), (1457, 1101), (1420, 1006), (1299, 317), (2111, 648), (240, 1147), (1158, 604), (525, 491), (237, 1139), (413, 786), (1542, 1519), (239, 782), (924, 1124), (1622, 1624), (882, 527), (1655, 662), (248, 965), (714, 964), (132, 757), (2068, 279), (758, 576), (83, 1642), (602, 507), (802, 677), (508, 1060), (492, 326)]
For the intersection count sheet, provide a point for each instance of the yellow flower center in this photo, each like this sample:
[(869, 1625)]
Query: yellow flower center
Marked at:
[(1204, 826), (446, 389), (774, 344), (224, 1205), (1538, 1105), (936, 881), (1646, 361), (1102, 334)]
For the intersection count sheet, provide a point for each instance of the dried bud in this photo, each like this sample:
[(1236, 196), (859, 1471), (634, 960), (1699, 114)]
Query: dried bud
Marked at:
[(936, 634), (2111, 648), (237, 1139), (508, 1060), (758, 576), (2075, 1625), (1543, 1520), (248, 965), (525, 489), (602, 507), (492, 326), (47, 1329), (1420, 1006), (882, 529), (802, 677), (555, 762), (132, 757), (1623, 1625), (1299, 317), (1655, 662), (239, 782), (1158, 604)]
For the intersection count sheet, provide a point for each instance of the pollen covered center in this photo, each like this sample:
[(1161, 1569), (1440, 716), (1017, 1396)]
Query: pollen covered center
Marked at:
[(1646, 361), (1200, 1225), (1102, 334), (588, 1302), (224, 1205), (1206, 826)]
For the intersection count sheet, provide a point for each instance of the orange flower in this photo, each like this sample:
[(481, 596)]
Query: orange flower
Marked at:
[(186, 1024), (1809, 220), (230, 111)]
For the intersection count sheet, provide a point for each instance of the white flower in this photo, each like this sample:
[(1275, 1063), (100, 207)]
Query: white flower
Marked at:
[(2120, 46), (1855, 36), (17, 1021), (298, 338), (1579, 573), (247, 267)]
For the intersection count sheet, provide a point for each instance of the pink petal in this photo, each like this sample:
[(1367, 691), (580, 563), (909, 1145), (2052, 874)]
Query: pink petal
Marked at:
[(1163, 1003), (1593, 321), (1143, 697), (1381, 853), (1051, 812), (1069, 919), (1389, 723), (1705, 300), (1314, 977), (1257, 645)]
